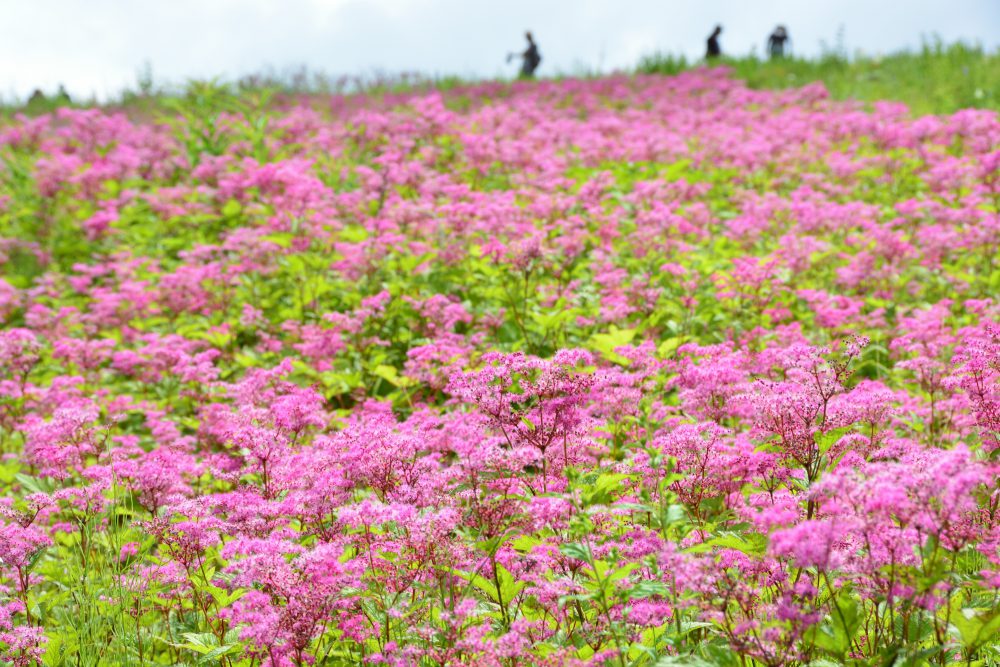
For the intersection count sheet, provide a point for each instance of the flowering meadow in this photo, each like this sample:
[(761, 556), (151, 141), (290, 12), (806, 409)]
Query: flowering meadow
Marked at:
[(623, 371)]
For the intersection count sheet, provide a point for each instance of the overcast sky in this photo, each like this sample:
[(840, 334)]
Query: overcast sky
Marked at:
[(97, 46)]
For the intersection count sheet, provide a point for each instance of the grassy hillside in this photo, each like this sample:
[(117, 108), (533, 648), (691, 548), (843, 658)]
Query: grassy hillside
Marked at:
[(937, 79)]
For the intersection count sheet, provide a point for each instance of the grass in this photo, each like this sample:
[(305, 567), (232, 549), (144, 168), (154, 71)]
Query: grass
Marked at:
[(939, 78)]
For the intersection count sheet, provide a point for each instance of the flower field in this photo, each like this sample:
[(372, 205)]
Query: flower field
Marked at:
[(624, 371)]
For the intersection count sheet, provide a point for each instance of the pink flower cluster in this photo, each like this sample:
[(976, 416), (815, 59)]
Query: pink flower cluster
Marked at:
[(613, 371)]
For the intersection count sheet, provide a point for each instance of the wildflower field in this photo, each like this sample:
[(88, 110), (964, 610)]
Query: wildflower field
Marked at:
[(623, 371)]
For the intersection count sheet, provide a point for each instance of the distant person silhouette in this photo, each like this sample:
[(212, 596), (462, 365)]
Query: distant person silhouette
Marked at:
[(714, 50), (530, 58), (776, 42)]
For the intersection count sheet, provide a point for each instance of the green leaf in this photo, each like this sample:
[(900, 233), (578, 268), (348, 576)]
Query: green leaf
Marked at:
[(223, 597), (836, 634), (216, 653), (602, 491), (685, 660), (202, 643), (646, 589), (391, 375), (669, 346), (44, 485), (8, 471), (281, 240), (976, 627), (727, 541), (231, 209), (509, 587), (826, 440), (525, 543), (895, 657), (721, 655), (577, 551), (607, 343)]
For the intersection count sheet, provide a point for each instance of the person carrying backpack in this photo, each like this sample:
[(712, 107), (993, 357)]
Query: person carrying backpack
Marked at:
[(776, 42), (712, 49), (530, 58)]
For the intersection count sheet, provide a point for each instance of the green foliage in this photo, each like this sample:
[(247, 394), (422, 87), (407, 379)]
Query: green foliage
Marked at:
[(939, 78)]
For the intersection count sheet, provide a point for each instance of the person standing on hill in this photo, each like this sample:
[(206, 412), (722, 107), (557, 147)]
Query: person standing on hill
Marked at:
[(776, 42), (530, 58), (714, 50)]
